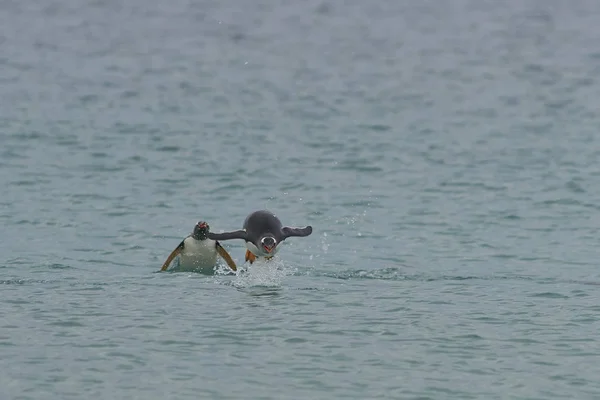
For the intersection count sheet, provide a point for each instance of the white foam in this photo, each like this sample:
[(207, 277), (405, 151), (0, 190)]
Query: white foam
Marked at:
[(262, 273)]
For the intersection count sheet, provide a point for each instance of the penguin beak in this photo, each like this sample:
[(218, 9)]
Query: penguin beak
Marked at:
[(269, 244)]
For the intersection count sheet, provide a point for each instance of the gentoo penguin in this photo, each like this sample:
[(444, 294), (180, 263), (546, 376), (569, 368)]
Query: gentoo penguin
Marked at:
[(198, 252), (262, 233)]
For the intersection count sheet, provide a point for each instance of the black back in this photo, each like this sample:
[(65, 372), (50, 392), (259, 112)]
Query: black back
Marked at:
[(261, 223)]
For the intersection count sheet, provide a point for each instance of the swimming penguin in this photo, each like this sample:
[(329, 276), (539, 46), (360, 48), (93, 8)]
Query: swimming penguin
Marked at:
[(262, 233), (198, 252)]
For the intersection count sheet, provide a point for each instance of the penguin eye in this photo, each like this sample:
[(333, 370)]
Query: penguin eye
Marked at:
[(268, 241)]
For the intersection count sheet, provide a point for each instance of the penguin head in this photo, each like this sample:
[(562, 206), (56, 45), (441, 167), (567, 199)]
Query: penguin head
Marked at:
[(201, 230), (268, 244)]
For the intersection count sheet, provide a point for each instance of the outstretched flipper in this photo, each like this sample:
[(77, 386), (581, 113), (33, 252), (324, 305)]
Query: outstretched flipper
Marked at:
[(296, 232), (172, 256), (241, 234), (223, 253)]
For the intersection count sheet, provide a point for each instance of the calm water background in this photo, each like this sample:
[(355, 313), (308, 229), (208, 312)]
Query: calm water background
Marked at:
[(445, 152)]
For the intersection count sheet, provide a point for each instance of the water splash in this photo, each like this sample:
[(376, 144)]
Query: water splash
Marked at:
[(222, 270), (266, 273), (324, 243)]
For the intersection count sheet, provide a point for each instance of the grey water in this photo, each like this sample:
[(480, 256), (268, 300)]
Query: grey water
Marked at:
[(446, 154)]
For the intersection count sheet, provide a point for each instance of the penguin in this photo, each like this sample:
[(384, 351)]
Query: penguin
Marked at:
[(197, 251), (263, 232)]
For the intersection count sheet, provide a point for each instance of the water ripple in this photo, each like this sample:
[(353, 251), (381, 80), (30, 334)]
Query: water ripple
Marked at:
[(446, 156)]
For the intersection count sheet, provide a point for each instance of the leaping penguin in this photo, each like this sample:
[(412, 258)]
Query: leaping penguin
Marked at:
[(198, 252), (262, 231)]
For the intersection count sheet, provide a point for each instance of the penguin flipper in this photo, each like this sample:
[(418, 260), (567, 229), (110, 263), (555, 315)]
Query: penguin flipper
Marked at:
[(223, 253), (296, 232), (241, 234), (172, 256)]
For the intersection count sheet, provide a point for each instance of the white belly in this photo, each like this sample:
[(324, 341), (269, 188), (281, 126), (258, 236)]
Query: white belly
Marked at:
[(198, 254)]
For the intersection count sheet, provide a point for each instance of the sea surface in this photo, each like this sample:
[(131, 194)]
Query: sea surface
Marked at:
[(446, 153)]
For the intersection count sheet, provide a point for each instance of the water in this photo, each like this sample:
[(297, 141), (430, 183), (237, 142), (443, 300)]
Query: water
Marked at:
[(446, 154)]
